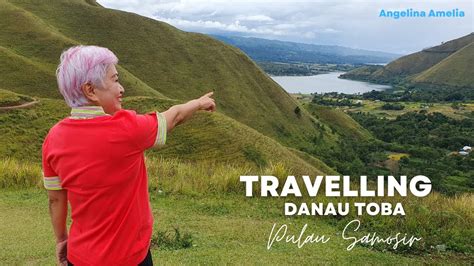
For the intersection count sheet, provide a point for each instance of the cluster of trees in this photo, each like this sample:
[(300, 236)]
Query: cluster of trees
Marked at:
[(414, 94), (285, 69), (393, 106), (420, 129), (334, 100), (422, 94), (300, 69), (431, 140)]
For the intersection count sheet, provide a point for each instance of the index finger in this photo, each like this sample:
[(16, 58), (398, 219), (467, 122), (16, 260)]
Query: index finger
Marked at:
[(209, 94)]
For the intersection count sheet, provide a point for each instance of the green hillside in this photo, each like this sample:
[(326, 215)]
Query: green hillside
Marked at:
[(423, 60), (154, 57), (218, 138), (455, 70), (343, 124), (362, 73), (418, 62), (203, 138), (8, 98), (29, 52)]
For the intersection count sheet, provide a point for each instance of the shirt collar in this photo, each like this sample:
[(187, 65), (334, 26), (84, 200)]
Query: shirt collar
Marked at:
[(87, 112)]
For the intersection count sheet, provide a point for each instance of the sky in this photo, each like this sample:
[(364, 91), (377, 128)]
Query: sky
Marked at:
[(350, 23)]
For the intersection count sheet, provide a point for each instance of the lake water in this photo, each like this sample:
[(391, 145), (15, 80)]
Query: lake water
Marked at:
[(325, 83)]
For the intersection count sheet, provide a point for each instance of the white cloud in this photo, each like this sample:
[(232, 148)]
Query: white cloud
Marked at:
[(329, 30), (352, 23), (260, 18), (209, 24)]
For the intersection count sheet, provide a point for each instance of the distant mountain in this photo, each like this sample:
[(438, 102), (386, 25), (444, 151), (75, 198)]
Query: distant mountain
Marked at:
[(447, 65), (264, 50)]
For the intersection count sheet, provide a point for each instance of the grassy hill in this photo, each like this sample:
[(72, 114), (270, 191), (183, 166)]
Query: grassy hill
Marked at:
[(213, 138), (455, 70), (428, 60), (218, 138), (8, 98), (343, 124), (156, 59), (423, 60), (29, 51)]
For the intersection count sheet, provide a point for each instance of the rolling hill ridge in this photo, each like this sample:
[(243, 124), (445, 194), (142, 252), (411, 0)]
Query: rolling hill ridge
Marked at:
[(446, 65), (156, 59)]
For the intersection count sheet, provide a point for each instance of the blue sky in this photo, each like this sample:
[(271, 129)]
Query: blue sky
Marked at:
[(350, 23)]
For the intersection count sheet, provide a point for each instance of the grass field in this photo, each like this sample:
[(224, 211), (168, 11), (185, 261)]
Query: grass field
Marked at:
[(225, 229), (375, 107), (208, 202), (396, 156)]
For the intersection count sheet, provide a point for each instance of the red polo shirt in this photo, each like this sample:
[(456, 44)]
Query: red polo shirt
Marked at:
[(99, 159)]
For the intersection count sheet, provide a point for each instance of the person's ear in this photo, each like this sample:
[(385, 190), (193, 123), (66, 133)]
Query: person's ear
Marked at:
[(89, 93)]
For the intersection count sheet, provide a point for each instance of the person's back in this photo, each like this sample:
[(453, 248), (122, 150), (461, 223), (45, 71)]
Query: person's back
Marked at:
[(101, 164), (95, 160)]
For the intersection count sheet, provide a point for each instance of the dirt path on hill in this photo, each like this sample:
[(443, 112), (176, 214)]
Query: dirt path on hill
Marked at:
[(20, 106)]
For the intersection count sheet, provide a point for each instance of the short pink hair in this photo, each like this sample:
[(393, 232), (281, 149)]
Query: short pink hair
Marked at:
[(80, 65)]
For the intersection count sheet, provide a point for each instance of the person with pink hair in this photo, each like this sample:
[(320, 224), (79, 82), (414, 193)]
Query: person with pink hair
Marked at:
[(94, 160)]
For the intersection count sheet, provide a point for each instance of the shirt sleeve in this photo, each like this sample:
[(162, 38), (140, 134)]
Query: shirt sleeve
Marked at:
[(51, 180), (150, 130)]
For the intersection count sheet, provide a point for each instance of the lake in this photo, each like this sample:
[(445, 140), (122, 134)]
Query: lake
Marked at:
[(325, 83)]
